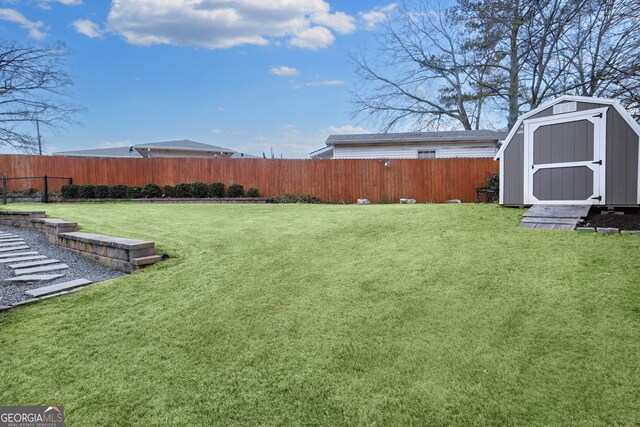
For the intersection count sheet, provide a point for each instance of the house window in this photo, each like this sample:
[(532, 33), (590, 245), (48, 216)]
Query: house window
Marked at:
[(427, 154)]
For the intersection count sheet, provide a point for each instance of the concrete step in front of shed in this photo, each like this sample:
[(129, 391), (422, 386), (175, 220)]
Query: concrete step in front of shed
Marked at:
[(547, 226), (42, 261), (551, 220), (554, 217), (24, 257), (558, 211), (14, 248), (147, 260), (34, 278), (45, 269), (58, 287)]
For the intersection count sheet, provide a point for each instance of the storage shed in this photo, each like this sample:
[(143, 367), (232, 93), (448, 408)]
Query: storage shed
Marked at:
[(573, 150)]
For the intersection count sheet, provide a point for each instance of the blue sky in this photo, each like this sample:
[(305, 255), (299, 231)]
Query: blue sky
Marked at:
[(243, 74)]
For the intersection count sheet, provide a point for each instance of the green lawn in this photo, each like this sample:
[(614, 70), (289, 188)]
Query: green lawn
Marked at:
[(337, 315)]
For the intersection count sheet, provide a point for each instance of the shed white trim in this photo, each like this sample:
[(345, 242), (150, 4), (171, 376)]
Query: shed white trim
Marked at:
[(600, 152), (613, 102), (501, 185)]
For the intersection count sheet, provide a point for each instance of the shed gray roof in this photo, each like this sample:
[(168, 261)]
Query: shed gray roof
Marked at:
[(416, 137)]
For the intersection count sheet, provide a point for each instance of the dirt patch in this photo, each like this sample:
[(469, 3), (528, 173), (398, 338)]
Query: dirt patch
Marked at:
[(628, 221)]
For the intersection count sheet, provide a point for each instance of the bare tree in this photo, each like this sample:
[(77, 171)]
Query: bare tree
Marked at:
[(606, 51), (546, 48), (421, 73), (33, 86)]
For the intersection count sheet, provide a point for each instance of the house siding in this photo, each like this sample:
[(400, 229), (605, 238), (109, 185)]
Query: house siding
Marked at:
[(396, 151)]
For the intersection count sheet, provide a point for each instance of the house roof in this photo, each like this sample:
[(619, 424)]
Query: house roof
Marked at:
[(614, 102), (183, 144), (416, 137), (102, 152), (135, 151)]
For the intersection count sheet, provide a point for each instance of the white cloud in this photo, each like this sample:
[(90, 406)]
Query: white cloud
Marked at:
[(115, 144), (318, 83), (228, 132), (376, 16), (343, 130), (87, 27), (219, 24), (312, 38), (283, 71), (326, 83), (339, 21), (46, 4), (34, 27)]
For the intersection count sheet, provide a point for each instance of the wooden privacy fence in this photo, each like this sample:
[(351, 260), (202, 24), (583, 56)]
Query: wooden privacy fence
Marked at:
[(338, 181)]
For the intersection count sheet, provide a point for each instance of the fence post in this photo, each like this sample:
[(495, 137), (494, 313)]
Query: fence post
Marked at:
[(45, 195), (4, 190)]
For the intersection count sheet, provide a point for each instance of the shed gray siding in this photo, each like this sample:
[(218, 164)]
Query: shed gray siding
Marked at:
[(621, 163), (513, 159), (581, 106)]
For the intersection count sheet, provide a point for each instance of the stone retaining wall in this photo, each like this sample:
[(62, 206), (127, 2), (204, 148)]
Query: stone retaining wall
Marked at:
[(120, 253)]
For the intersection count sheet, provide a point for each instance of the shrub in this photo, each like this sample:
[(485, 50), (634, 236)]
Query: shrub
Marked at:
[(199, 190), (253, 192), (216, 190), (135, 192), (87, 192), (184, 190), (309, 199), (493, 181), (118, 191), (151, 191), (235, 190), (70, 191), (293, 198), (169, 191), (101, 191)]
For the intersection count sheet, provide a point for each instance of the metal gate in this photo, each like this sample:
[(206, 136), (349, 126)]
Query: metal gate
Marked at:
[(32, 188)]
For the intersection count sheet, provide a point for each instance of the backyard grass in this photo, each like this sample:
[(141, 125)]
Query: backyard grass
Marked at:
[(337, 315)]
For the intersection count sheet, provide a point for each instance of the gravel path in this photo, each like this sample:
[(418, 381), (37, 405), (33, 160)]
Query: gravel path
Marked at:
[(79, 268)]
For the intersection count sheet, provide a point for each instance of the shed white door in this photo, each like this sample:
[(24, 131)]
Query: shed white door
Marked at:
[(564, 158)]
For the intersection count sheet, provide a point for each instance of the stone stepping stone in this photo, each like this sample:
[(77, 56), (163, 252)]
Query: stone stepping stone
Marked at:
[(7, 235), (41, 269), (34, 277), (58, 287), (11, 244), (24, 258), (17, 254), (15, 248), (33, 263), (13, 239)]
